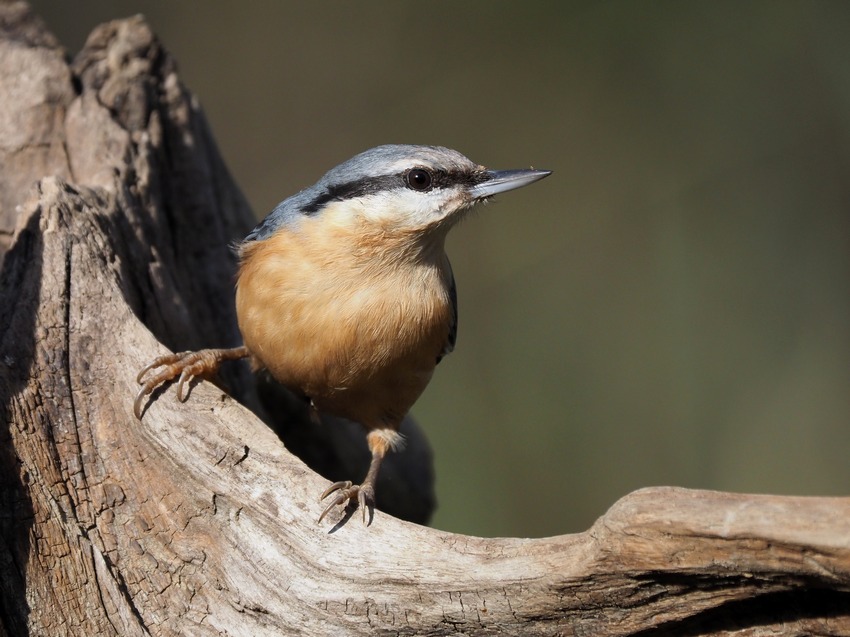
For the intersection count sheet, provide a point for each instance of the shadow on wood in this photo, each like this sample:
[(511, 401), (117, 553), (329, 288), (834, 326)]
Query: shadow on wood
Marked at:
[(197, 519)]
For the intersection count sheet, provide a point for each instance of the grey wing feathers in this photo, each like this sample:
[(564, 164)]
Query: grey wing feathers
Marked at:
[(284, 213)]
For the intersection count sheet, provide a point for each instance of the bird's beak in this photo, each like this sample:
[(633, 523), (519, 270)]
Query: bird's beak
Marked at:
[(497, 181)]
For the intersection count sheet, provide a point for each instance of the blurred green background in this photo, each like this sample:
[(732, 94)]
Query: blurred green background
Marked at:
[(672, 306)]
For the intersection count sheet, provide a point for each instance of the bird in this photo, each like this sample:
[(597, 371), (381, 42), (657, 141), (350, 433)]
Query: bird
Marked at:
[(346, 296)]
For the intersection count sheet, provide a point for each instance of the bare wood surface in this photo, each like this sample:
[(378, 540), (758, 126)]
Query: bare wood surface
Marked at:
[(197, 520)]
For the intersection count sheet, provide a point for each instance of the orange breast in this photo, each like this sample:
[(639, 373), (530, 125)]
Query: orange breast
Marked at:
[(351, 326)]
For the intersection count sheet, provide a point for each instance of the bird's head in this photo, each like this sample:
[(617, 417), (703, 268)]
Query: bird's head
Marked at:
[(405, 190)]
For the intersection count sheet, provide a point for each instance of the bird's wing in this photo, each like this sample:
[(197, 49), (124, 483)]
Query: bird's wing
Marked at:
[(450, 343)]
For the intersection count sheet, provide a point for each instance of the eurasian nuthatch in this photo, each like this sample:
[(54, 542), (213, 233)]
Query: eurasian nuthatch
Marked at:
[(346, 295)]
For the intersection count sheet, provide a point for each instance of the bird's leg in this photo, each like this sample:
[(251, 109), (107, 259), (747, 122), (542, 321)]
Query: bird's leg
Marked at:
[(380, 442), (187, 365)]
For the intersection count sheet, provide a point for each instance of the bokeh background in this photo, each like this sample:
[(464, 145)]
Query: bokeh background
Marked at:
[(671, 307)]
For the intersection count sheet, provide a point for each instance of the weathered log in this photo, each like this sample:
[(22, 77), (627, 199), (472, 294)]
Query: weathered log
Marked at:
[(197, 520)]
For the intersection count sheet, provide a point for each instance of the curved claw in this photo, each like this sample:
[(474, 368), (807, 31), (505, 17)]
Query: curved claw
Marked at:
[(137, 404), (173, 364), (361, 501), (165, 359), (346, 487), (187, 375), (347, 493), (187, 365), (336, 486)]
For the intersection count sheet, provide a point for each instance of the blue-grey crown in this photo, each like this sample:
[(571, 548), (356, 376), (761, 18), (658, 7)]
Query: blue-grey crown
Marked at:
[(375, 170)]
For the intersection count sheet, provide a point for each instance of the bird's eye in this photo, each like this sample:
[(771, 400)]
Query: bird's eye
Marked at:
[(418, 179)]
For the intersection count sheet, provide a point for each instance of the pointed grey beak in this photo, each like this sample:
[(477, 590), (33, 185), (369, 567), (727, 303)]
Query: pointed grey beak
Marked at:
[(503, 180)]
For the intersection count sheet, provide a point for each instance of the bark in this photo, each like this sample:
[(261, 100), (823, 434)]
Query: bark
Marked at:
[(197, 520)]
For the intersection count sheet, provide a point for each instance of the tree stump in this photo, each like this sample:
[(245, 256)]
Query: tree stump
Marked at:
[(117, 212)]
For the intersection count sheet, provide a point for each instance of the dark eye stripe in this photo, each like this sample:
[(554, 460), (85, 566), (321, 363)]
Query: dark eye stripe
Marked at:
[(384, 183), (354, 189), (448, 178)]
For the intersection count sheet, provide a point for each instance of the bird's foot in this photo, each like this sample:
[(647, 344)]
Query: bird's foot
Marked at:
[(345, 492), (187, 365)]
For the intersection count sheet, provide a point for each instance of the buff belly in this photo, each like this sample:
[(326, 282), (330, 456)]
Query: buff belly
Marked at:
[(359, 348)]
